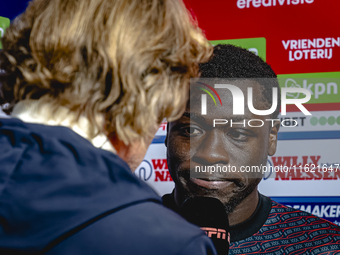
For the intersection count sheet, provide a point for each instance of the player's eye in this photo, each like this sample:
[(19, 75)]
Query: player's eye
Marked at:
[(239, 135), (190, 131)]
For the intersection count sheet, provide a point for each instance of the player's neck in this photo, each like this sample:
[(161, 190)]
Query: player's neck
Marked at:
[(245, 209)]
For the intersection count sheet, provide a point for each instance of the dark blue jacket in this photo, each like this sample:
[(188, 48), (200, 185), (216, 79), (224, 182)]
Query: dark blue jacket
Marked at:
[(61, 195)]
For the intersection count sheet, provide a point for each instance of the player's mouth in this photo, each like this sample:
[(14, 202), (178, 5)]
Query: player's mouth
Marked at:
[(213, 183)]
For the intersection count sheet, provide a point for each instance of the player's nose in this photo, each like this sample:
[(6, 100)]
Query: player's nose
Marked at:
[(212, 150)]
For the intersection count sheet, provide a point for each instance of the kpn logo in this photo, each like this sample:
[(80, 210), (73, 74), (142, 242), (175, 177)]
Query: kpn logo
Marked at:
[(323, 87), (316, 89)]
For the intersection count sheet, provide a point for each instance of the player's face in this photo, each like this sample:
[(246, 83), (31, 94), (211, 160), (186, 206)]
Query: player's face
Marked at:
[(193, 141)]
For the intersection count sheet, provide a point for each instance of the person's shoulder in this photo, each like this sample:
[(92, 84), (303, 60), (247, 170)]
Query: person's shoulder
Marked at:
[(141, 228), (45, 136), (57, 144)]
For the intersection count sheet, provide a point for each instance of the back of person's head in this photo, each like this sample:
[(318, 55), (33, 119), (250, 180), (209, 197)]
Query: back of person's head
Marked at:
[(232, 62), (127, 61)]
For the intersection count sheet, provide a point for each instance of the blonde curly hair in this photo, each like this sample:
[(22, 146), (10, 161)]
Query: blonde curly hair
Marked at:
[(128, 61)]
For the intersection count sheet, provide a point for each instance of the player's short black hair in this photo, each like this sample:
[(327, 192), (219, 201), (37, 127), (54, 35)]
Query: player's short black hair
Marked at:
[(233, 62)]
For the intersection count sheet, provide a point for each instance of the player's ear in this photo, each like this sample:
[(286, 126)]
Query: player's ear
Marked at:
[(274, 130), (167, 133)]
